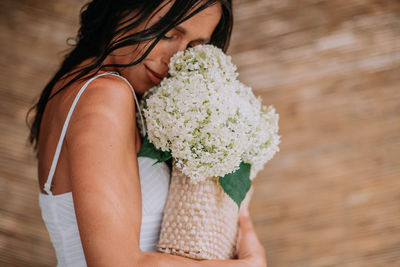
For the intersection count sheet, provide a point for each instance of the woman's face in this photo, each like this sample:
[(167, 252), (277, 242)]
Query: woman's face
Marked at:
[(149, 72)]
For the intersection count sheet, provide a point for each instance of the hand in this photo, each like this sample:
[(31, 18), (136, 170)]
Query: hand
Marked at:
[(249, 247)]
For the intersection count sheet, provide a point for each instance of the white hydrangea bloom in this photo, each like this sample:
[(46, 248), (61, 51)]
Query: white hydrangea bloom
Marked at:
[(207, 60), (208, 119), (265, 141)]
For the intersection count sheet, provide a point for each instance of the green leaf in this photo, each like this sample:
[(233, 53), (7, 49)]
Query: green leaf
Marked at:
[(238, 183), (164, 156), (150, 151)]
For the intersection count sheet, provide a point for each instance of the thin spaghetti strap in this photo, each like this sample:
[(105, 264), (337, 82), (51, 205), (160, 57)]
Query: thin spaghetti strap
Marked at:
[(47, 185)]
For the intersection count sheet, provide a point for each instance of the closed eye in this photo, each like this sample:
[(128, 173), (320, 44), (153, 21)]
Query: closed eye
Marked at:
[(167, 37)]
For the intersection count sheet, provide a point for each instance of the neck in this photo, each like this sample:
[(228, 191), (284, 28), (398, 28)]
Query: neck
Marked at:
[(109, 60)]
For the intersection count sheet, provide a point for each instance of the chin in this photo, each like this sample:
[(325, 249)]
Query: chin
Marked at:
[(142, 89), (139, 87)]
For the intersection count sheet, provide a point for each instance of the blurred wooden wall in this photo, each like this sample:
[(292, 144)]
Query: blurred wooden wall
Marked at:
[(330, 197)]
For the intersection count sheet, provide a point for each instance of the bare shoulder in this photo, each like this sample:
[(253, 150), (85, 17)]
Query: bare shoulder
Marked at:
[(107, 104), (107, 91)]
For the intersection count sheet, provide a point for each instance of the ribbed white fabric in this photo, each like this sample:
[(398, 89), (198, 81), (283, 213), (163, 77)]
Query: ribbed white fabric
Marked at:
[(58, 211)]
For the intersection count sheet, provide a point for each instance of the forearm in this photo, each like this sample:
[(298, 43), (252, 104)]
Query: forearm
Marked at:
[(168, 260)]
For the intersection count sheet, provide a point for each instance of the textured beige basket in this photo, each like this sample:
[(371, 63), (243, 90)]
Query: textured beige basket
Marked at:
[(200, 220)]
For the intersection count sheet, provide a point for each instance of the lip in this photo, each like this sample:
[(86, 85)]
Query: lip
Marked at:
[(153, 76)]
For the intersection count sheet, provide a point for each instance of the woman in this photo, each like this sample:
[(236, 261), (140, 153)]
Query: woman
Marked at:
[(102, 204)]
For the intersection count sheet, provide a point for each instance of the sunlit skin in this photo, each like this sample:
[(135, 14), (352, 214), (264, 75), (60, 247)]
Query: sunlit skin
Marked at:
[(98, 160)]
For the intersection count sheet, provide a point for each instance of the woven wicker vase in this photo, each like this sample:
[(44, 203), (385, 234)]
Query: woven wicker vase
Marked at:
[(200, 220)]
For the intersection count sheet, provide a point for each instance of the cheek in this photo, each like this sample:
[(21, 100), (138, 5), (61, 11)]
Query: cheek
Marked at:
[(164, 50), (156, 52)]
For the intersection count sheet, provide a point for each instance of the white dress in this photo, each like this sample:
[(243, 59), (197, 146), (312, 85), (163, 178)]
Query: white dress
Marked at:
[(58, 211)]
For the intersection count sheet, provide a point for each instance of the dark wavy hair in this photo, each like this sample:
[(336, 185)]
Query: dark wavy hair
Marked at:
[(102, 21)]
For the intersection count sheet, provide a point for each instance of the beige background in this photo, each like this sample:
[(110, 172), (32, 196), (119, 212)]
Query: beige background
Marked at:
[(330, 197)]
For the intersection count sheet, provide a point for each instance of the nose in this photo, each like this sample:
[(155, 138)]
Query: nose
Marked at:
[(181, 46)]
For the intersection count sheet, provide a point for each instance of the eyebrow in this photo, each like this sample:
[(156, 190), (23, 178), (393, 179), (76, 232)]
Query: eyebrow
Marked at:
[(183, 31)]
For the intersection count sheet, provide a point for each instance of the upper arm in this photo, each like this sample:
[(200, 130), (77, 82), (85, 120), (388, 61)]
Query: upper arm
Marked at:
[(104, 172)]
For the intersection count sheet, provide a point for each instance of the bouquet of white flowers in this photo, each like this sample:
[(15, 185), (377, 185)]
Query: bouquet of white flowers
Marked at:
[(219, 136)]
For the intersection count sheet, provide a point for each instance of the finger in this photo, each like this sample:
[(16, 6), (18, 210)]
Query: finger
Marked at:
[(243, 211), (245, 223), (246, 201), (248, 237)]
